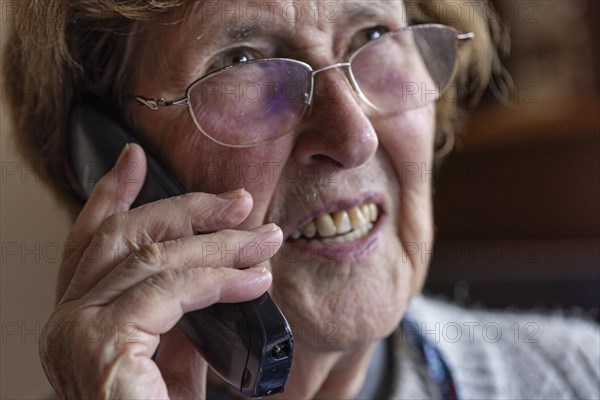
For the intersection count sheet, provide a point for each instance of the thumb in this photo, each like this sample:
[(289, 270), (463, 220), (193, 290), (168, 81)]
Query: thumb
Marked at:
[(182, 367)]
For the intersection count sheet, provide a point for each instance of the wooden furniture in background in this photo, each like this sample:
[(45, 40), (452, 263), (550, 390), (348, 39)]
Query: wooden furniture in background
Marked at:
[(518, 209)]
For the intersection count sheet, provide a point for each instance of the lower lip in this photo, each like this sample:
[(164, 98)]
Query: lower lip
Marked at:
[(340, 253)]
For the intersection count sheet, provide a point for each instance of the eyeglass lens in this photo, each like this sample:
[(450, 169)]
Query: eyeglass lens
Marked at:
[(259, 101), (406, 69), (251, 103)]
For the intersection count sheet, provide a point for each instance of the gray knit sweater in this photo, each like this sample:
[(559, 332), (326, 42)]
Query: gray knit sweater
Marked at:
[(491, 355), (499, 355)]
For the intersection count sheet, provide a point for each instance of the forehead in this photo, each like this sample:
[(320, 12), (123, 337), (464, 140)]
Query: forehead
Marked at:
[(243, 19), (179, 47)]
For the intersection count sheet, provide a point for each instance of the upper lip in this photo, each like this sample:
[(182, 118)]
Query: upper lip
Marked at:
[(332, 206)]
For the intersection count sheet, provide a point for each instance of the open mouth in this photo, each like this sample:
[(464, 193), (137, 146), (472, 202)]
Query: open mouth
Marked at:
[(341, 226)]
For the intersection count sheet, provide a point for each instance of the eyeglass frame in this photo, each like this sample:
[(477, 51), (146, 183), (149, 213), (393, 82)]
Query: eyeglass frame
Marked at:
[(347, 65)]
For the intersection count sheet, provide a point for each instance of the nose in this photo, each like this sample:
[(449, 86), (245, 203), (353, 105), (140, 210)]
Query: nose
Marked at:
[(335, 129)]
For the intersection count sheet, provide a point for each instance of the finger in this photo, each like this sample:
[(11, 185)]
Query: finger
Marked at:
[(158, 302), (169, 219), (114, 192), (182, 367), (227, 248)]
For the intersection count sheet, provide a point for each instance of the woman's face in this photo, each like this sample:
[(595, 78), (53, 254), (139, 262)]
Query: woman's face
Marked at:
[(340, 157)]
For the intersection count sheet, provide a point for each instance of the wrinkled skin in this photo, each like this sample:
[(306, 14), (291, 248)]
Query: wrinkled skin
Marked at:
[(340, 301)]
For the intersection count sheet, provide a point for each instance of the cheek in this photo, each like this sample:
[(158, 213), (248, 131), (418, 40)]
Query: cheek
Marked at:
[(205, 166), (409, 137), (171, 136)]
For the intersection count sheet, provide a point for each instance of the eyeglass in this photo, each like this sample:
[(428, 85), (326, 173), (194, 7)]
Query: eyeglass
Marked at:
[(258, 101)]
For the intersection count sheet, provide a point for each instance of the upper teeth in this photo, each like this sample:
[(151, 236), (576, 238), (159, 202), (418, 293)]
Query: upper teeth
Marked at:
[(355, 223)]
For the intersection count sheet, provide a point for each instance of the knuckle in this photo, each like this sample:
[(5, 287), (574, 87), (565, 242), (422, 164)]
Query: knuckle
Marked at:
[(150, 254), (186, 200), (112, 224), (105, 237), (189, 196), (164, 281), (228, 216), (216, 238), (143, 237), (152, 290), (193, 202), (103, 190)]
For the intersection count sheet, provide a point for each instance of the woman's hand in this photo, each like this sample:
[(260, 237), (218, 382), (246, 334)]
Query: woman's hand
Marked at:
[(128, 276)]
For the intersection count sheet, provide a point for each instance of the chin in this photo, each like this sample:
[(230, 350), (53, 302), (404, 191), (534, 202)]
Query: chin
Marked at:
[(336, 305)]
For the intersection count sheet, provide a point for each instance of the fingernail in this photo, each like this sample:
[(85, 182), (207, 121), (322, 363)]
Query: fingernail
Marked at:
[(123, 155), (267, 228), (232, 195), (257, 270)]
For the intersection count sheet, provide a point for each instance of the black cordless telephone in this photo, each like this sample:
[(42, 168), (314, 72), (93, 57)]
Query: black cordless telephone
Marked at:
[(248, 344)]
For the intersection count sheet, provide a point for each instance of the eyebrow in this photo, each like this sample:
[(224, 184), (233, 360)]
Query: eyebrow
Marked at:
[(359, 13), (355, 12), (235, 33), (240, 32)]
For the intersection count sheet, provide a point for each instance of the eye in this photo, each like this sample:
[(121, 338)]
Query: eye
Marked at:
[(236, 56), (367, 35)]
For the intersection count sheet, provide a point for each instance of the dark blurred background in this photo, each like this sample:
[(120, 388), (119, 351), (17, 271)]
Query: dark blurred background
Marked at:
[(518, 202)]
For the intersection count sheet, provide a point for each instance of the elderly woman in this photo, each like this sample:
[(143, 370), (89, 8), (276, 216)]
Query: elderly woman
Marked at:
[(289, 125)]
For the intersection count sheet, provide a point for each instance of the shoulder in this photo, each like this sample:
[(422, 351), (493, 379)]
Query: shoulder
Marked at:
[(498, 354)]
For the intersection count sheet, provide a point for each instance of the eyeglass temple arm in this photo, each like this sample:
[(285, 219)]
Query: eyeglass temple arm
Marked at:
[(155, 103), (464, 37)]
